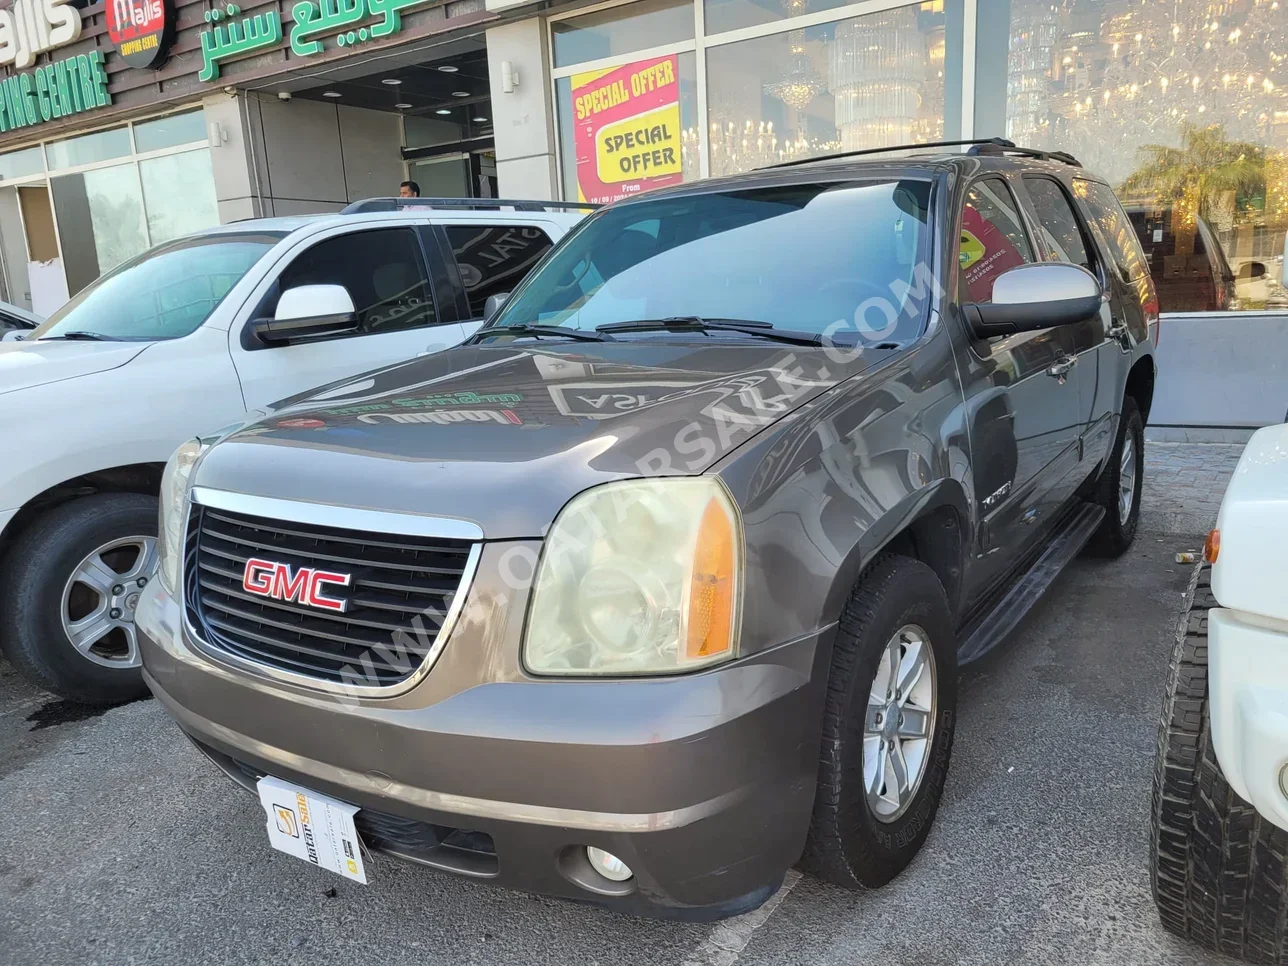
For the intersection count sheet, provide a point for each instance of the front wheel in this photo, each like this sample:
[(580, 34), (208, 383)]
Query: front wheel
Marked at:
[(887, 727), (1216, 866), (69, 586)]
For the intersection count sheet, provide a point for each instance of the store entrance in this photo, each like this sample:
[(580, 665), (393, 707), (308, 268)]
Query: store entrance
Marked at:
[(33, 267), (442, 98)]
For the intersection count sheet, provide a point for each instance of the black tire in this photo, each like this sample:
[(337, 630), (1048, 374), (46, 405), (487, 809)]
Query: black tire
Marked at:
[(847, 844), (35, 571), (1115, 534), (1216, 867)]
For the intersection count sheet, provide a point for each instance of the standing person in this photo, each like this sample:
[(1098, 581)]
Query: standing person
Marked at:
[(409, 189)]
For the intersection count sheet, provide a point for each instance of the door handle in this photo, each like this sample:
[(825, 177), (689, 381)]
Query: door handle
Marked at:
[(1118, 332), (1060, 370)]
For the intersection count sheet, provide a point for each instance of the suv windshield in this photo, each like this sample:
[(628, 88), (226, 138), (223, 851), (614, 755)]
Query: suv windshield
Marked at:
[(165, 293), (800, 257)]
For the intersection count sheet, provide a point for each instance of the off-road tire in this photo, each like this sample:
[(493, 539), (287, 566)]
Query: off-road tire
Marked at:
[(33, 573), (1115, 535), (847, 845), (1216, 867)]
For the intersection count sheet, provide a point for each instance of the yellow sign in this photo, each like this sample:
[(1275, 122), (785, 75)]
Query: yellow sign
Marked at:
[(972, 250), (644, 146)]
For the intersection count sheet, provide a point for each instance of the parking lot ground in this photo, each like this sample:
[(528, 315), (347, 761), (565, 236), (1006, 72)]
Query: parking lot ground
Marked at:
[(120, 844)]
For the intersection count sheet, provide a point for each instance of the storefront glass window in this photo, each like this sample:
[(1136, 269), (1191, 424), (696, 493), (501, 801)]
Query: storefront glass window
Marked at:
[(88, 148), (628, 129), (859, 83), (179, 193), (169, 132), (19, 164), (722, 15), (100, 221), (641, 25), (1182, 107)]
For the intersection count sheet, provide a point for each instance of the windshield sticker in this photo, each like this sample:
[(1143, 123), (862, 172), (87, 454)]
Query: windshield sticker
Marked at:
[(627, 129)]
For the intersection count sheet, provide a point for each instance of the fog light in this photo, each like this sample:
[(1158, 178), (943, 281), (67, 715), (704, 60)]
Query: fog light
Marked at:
[(608, 865)]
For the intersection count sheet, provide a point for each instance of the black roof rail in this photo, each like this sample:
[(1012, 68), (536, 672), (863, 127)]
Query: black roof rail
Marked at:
[(368, 205), (978, 146), (1001, 146)]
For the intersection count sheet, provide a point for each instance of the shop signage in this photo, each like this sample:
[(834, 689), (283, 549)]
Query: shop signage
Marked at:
[(31, 27), (60, 89), (627, 129), (141, 30), (236, 37)]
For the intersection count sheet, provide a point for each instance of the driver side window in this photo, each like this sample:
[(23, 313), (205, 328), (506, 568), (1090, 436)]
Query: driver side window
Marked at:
[(993, 239), (383, 271)]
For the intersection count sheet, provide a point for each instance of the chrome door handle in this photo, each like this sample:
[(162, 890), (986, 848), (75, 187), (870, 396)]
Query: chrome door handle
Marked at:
[(1060, 370), (1118, 332)]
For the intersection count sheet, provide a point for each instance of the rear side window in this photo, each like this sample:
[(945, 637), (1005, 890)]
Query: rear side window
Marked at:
[(383, 271), (1057, 222), (1115, 226), (493, 259), (993, 238)]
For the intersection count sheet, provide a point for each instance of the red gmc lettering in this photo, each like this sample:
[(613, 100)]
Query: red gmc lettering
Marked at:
[(271, 578)]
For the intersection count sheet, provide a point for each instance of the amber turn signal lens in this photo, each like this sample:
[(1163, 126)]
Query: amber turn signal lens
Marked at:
[(1212, 546), (713, 588)]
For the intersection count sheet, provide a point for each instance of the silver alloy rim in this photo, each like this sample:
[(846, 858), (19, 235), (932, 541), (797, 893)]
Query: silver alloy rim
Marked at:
[(1127, 478), (100, 598), (897, 727)]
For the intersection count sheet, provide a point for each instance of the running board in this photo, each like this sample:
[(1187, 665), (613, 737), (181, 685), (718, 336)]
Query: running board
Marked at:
[(993, 627)]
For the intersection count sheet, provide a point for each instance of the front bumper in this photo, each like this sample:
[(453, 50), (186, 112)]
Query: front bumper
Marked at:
[(703, 784), (1248, 702)]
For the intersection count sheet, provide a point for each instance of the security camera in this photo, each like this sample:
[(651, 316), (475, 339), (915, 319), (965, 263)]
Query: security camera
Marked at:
[(283, 95)]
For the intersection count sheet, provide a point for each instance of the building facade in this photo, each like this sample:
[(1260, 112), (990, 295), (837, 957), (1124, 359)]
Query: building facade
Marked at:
[(125, 123)]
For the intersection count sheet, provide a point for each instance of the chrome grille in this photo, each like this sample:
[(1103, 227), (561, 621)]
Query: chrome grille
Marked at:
[(400, 593)]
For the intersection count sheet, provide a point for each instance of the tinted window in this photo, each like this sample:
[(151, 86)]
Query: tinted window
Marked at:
[(798, 256), (1057, 222), (1119, 235), (993, 238), (165, 293), (383, 271), (494, 258)]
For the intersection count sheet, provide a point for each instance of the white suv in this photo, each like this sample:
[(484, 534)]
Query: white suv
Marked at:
[(183, 340), (1220, 815)]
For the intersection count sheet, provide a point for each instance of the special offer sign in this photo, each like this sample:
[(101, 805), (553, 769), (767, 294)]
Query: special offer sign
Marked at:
[(627, 129)]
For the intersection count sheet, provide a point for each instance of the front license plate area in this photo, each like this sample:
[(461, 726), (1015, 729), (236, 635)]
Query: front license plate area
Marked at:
[(312, 827)]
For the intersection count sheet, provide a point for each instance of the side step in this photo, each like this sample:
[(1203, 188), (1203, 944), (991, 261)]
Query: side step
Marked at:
[(992, 627)]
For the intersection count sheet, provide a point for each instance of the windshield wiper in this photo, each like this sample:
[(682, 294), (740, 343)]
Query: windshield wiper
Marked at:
[(695, 323), (555, 331), (78, 337)]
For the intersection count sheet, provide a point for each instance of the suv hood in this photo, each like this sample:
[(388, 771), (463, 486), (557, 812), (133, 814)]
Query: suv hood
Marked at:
[(504, 437), (27, 364)]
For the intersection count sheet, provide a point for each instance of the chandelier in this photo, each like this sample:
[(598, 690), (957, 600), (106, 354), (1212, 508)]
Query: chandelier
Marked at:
[(801, 82)]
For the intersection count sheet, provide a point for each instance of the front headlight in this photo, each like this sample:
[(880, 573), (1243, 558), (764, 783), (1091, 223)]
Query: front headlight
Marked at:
[(176, 481), (638, 577)]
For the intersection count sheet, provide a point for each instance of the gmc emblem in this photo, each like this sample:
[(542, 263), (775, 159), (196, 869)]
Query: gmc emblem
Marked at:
[(269, 578)]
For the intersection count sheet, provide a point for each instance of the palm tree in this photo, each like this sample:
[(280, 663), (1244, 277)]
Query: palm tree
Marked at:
[(1193, 178)]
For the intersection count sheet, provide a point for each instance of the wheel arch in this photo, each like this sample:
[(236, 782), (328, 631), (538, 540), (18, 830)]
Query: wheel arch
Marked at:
[(1140, 385), (142, 478), (930, 525)]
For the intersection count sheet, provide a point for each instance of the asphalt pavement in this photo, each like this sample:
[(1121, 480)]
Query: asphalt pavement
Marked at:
[(120, 844)]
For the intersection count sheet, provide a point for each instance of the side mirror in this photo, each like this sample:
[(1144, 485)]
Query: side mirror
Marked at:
[(309, 312), (1251, 270), (1038, 296), (493, 305)]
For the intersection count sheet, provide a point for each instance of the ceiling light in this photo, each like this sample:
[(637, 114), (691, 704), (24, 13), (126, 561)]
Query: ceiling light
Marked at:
[(442, 110), (460, 93), (448, 69), (479, 120), (330, 93), (391, 81), (402, 105)]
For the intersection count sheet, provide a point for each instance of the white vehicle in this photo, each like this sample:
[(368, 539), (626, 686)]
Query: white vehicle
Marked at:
[(184, 340), (1220, 815)]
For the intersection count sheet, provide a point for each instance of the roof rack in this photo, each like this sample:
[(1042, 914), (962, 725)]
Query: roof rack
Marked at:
[(978, 146), (368, 205)]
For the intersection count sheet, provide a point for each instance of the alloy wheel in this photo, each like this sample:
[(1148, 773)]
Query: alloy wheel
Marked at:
[(897, 726), (1127, 478), (100, 598)]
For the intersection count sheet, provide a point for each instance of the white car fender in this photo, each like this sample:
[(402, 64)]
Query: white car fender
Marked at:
[(1248, 632), (135, 413)]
